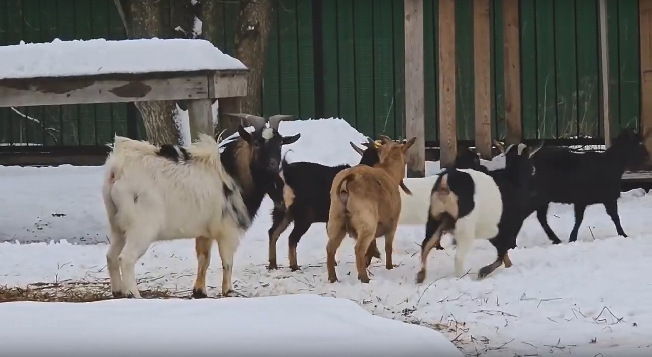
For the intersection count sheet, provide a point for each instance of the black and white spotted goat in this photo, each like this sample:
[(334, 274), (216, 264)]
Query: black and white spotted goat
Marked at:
[(475, 205), (154, 193)]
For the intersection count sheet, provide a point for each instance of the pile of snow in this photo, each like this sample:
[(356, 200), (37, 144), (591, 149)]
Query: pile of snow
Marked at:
[(99, 56), (325, 141), (292, 325)]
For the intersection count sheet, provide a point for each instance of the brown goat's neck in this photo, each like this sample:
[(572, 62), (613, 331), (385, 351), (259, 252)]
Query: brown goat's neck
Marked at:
[(394, 169)]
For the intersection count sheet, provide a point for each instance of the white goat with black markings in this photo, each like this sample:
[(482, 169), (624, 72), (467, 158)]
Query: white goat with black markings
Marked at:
[(475, 205), (154, 193)]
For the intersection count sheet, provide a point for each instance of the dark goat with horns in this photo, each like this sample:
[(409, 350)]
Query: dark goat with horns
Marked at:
[(253, 160)]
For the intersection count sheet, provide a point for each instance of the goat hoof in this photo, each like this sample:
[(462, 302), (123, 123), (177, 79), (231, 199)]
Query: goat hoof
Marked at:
[(556, 241), (332, 279), (335, 263), (198, 294), (364, 279), (624, 235), (117, 294), (272, 266), (484, 272), (390, 266), (229, 293), (294, 267), (421, 276), (439, 247)]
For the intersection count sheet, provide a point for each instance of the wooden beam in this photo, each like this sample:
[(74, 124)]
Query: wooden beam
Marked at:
[(414, 87), (119, 88), (228, 85), (447, 89), (645, 23), (200, 117), (604, 68), (482, 75), (512, 72)]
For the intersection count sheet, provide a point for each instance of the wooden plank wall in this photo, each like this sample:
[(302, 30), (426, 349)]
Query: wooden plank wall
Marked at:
[(363, 60)]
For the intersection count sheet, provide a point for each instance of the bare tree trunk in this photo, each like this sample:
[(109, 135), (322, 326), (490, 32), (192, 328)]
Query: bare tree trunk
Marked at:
[(142, 19), (251, 48)]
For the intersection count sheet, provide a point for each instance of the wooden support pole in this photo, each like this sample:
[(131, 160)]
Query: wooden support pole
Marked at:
[(604, 68), (645, 24), (482, 75), (200, 117), (414, 87), (512, 63), (447, 89)]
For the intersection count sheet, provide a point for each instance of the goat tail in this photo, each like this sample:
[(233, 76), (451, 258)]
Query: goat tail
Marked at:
[(343, 191), (122, 145), (442, 200)]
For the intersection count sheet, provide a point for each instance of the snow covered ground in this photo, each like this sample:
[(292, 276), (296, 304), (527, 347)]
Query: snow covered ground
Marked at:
[(294, 325), (586, 298)]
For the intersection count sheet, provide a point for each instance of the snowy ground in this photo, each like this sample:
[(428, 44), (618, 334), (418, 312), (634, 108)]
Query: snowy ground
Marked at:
[(293, 325), (586, 298)]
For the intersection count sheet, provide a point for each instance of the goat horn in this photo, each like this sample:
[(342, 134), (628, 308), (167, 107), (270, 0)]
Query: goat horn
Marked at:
[(275, 120), (253, 120), (384, 139)]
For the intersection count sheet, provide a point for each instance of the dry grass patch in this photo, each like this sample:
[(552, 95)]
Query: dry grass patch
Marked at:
[(77, 291)]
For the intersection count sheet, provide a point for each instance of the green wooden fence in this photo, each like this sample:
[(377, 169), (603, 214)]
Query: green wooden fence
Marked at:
[(344, 58)]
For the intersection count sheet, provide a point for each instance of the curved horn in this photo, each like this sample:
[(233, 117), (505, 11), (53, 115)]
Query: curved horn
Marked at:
[(384, 139), (253, 120), (275, 120)]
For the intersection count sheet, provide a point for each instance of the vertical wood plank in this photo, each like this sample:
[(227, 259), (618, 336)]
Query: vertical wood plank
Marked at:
[(447, 85), (604, 70), (512, 71), (645, 25), (414, 89), (482, 75), (200, 117)]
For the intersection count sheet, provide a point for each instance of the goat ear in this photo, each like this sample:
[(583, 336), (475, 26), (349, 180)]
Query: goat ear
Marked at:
[(404, 188), (244, 134), (500, 146), (356, 148), (409, 144), (290, 139), (535, 148)]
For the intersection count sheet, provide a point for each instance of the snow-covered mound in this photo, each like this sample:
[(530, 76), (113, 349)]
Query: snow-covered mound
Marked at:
[(290, 325)]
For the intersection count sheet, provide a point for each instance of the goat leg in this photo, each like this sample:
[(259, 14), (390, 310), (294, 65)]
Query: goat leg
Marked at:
[(612, 211), (502, 258)]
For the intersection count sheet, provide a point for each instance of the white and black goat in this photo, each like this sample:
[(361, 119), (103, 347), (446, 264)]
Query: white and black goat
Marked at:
[(154, 193), (306, 197), (475, 205), (585, 178)]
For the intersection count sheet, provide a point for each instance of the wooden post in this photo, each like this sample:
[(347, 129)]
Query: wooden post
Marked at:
[(482, 74), (604, 67), (227, 123), (414, 88), (447, 89), (645, 23), (512, 63), (200, 117)]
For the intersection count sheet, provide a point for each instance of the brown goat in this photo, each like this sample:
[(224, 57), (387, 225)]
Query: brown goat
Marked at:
[(365, 203)]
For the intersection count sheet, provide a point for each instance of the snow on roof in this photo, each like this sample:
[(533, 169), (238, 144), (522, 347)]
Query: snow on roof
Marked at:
[(82, 58)]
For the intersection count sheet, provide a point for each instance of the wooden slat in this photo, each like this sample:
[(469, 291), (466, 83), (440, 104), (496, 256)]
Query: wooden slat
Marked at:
[(512, 71), (645, 23), (117, 89), (604, 69), (447, 88), (482, 73), (414, 88)]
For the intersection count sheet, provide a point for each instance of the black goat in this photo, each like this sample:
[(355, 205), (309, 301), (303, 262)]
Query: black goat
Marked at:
[(306, 200), (253, 161), (584, 179), (466, 202)]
